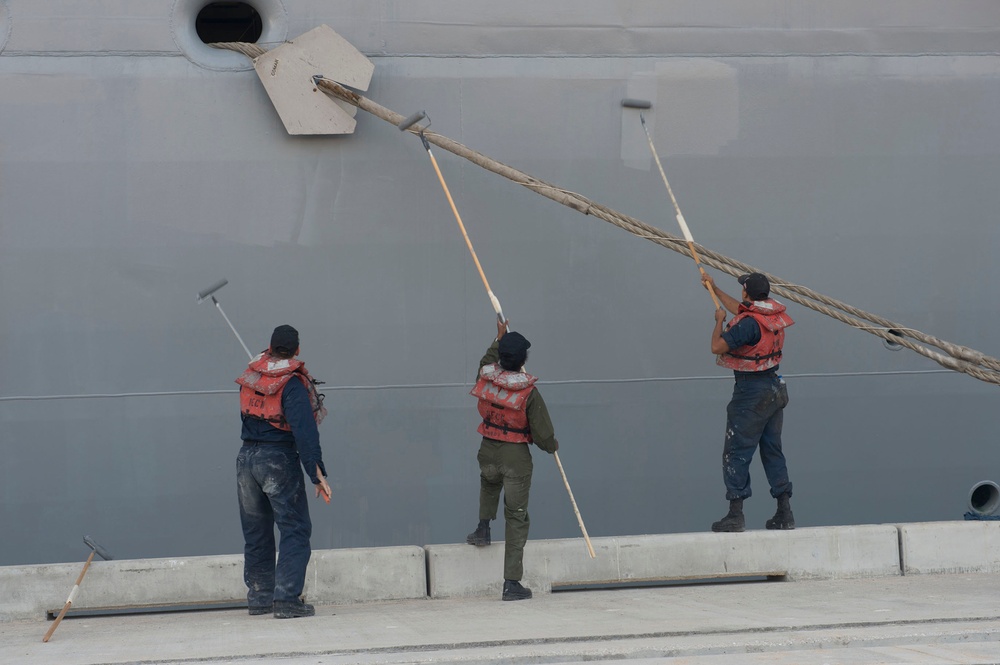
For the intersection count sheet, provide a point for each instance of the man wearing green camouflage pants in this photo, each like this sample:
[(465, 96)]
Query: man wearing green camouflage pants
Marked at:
[(514, 415)]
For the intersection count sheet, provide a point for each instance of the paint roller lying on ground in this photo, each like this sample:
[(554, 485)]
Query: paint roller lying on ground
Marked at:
[(407, 124), (94, 549), (643, 104)]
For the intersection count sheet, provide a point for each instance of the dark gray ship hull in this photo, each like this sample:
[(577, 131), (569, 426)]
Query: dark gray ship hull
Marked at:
[(852, 148)]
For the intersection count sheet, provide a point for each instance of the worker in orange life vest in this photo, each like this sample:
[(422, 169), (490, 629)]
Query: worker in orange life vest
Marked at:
[(514, 416), (280, 408), (751, 345)]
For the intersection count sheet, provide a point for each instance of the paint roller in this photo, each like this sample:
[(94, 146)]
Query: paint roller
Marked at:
[(210, 293), (641, 105), (405, 125), (94, 549)]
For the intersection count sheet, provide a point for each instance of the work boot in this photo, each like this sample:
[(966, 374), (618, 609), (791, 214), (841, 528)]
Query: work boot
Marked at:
[(293, 610), (733, 521), (512, 590), (783, 518), (256, 610), (481, 536)]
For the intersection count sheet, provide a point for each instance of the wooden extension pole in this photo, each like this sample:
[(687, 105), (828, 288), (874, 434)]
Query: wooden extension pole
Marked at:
[(69, 601), (500, 316), (468, 243), (680, 216), (579, 518)]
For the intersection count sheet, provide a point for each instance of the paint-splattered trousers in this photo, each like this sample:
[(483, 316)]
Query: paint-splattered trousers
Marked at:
[(754, 418), (507, 467), (272, 491)]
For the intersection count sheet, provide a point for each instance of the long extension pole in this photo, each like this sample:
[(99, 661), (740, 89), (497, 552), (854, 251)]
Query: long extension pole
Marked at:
[(642, 104), (579, 518), (403, 126)]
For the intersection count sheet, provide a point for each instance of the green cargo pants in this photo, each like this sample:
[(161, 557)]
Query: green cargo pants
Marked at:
[(507, 467)]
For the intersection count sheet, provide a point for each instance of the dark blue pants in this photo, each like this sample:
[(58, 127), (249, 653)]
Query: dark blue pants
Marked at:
[(754, 418), (271, 491)]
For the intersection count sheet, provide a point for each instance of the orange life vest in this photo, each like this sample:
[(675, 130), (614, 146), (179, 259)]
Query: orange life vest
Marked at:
[(503, 397), (263, 381), (766, 353)]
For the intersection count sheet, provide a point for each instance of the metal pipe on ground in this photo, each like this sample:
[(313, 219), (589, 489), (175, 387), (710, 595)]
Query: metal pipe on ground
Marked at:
[(94, 549), (984, 498)]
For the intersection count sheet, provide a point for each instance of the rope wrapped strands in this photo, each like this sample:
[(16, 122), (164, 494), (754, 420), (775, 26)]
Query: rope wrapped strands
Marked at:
[(949, 355)]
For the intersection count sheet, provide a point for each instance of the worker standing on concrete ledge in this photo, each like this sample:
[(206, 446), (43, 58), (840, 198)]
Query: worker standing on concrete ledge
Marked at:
[(514, 415), (751, 346), (280, 408)]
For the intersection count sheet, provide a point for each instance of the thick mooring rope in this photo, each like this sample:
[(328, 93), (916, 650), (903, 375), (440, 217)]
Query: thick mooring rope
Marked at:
[(955, 357), (958, 358)]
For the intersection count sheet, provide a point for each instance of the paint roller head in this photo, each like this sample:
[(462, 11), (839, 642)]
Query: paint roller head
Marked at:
[(412, 120), (636, 104), (101, 552), (212, 289)]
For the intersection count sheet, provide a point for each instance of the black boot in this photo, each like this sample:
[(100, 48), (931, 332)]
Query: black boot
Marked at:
[(783, 518), (481, 536), (512, 590), (293, 610), (733, 521)]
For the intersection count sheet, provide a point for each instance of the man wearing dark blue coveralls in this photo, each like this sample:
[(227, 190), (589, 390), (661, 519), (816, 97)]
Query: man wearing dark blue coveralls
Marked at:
[(280, 408), (751, 345)]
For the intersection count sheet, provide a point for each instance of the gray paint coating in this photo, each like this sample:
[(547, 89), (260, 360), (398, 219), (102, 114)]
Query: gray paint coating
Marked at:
[(851, 149)]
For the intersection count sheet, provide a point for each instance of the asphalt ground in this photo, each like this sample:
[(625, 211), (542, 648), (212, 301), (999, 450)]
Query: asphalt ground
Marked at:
[(922, 619)]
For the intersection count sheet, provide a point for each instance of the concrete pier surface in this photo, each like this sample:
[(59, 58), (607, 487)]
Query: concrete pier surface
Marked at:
[(921, 619)]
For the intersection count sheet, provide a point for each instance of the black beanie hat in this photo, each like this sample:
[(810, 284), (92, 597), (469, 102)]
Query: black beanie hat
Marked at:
[(513, 350), (285, 340)]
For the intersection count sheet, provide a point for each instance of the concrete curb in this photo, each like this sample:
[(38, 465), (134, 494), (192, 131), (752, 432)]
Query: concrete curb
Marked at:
[(950, 547), (813, 553), (365, 574), (443, 571), (333, 576)]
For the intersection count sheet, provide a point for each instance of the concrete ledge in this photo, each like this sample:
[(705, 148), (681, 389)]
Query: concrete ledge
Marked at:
[(333, 576), (950, 547), (813, 553), (366, 574)]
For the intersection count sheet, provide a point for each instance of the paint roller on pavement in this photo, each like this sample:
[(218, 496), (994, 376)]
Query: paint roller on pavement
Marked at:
[(640, 105), (94, 549), (407, 124)]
